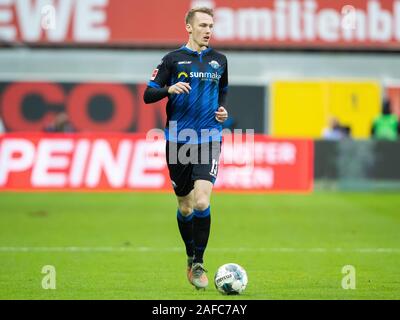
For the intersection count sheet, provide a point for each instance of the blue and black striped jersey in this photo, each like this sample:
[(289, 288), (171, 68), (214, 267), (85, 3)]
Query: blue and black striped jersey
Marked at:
[(207, 74)]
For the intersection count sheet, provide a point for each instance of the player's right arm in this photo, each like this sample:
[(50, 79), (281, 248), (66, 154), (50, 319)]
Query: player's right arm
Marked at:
[(157, 88)]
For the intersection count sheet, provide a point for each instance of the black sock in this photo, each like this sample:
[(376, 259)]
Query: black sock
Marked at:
[(201, 232), (185, 225)]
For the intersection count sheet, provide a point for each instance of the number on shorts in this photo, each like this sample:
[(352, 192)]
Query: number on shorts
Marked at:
[(214, 167)]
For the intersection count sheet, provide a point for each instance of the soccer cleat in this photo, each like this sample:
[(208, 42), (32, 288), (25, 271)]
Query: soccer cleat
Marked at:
[(198, 276), (189, 269)]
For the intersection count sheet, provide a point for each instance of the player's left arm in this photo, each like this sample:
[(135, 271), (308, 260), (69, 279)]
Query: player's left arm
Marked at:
[(221, 114)]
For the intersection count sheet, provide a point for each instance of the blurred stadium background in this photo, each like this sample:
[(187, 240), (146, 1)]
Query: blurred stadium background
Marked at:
[(311, 77)]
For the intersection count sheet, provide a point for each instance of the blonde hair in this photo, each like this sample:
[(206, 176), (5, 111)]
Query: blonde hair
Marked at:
[(190, 14)]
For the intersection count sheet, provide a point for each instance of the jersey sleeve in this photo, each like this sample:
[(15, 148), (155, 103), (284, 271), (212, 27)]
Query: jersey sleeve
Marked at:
[(161, 74), (223, 87)]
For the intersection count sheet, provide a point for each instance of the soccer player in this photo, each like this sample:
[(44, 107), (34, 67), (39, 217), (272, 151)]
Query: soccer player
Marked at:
[(195, 80)]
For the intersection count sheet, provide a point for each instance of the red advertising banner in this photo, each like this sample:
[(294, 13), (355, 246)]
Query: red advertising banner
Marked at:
[(90, 106), (243, 23), (393, 93), (130, 162)]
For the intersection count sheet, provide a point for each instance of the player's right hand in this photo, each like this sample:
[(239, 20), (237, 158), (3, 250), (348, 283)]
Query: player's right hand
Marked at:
[(179, 88)]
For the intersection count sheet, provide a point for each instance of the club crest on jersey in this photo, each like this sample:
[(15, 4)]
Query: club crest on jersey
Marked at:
[(214, 64), (154, 75)]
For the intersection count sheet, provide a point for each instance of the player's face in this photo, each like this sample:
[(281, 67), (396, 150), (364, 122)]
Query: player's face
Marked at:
[(201, 28)]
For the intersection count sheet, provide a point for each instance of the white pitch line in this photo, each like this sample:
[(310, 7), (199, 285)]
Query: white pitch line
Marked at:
[(179, 249)]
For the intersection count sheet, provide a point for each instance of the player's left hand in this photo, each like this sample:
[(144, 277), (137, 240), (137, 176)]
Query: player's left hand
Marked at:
[(221, 115)]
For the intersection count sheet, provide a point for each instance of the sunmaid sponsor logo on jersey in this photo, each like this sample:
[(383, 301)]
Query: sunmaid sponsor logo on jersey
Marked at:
[(206, 75)]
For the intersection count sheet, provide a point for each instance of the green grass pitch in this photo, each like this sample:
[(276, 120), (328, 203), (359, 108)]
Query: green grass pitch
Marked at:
[(127, 245)]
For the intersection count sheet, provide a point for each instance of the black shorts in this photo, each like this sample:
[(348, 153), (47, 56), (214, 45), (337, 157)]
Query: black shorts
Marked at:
[(190, 162)]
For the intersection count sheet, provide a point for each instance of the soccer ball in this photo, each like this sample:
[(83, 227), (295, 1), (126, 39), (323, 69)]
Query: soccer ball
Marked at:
[(230, 279)]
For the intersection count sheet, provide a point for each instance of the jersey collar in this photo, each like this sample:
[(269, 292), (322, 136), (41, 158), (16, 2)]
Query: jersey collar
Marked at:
[(195, 52)]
